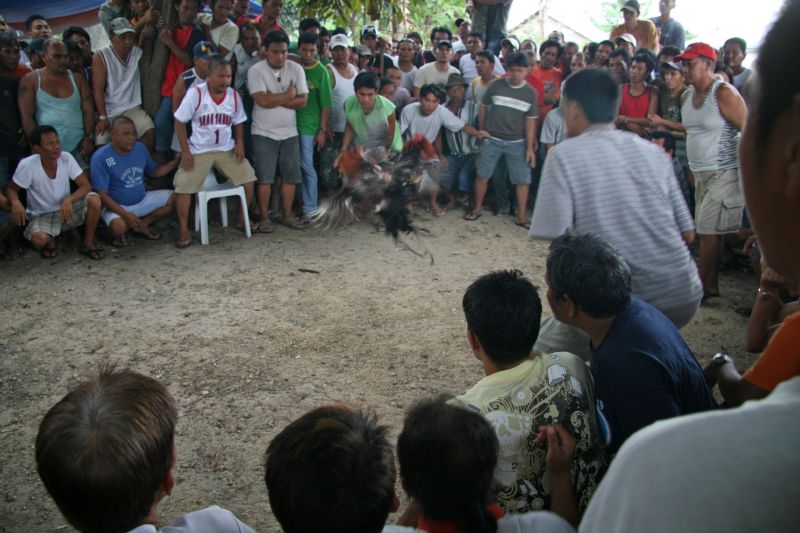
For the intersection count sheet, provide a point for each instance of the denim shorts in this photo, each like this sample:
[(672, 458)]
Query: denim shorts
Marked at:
[(491, 150)]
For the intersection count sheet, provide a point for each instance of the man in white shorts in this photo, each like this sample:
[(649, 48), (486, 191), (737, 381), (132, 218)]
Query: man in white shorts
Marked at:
[(217, 116), (117, 85), (118, 171), (45, 176)]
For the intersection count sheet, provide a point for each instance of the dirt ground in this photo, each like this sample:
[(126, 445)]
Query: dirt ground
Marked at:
[(246, 341)]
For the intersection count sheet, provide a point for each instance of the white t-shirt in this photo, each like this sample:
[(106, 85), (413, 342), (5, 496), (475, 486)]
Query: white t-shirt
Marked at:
[(430, 74), (209, 520), (468, 69), (44, 194), (413, 121), (212, 122), (225, 36), (277, 123), (719, 471), (539, 521), (408, 78)]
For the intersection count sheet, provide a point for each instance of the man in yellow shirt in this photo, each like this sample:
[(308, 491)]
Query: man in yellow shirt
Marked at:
[(645, 31)]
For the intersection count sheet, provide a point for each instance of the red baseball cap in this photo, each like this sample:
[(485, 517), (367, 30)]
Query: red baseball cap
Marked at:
[(698, 50)]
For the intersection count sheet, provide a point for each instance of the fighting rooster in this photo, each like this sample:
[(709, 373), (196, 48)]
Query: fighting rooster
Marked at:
[(374, 181)]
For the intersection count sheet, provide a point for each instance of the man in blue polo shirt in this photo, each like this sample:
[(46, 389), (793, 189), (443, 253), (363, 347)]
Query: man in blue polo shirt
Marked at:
[(118, 171)]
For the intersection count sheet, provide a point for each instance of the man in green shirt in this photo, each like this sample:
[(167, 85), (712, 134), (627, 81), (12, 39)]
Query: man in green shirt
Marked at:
[(312, 120), (371, 120)]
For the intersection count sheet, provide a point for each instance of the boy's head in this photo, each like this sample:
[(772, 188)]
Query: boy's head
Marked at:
[(307, 47), (503, 312), (332, 466), (367, 86), (105, 451), (430, 96), (447, 458), (387, 87)]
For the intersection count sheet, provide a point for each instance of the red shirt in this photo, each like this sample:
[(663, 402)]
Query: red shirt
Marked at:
[(551, 81), (17, 73), (175, 67), (263, 33), (635, 106)]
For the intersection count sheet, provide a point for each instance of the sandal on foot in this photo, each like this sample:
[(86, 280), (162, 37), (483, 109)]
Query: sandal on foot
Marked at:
[(184, 243), (291, 223), (48, 253), (92, 253), (121, 242), (473, 215), (526, 224), (263, 227), (150, 234)]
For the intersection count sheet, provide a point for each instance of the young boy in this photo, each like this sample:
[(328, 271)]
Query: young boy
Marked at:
[(215, 111), (523, 391), (332, 469), (371, 121), (106, 453), (312, 120)]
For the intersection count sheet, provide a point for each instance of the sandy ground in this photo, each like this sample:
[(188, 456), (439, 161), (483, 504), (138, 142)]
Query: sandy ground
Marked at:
[(246, 342)]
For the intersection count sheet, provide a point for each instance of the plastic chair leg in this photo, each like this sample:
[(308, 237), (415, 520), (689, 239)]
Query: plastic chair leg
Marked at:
[(223, 211), (203, 208)]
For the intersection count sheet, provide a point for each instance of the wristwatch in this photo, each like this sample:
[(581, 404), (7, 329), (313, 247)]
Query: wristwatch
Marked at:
[(721, 359)]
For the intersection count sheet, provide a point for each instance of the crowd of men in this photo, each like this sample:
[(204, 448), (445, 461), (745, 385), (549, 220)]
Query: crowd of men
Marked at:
[(628, 150)]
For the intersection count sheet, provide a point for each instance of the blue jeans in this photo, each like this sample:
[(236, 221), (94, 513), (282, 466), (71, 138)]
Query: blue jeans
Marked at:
[(461, 167), (165, 125), (309, 187)]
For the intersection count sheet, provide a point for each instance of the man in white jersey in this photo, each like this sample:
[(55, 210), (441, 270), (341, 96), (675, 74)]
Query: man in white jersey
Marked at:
[(217, 114), (713, 113), (623, 189), (117, 85)]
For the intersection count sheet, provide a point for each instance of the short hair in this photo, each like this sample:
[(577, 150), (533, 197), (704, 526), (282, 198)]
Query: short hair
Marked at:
[(550, 43), (441, 29), (51, 41), (475, 34), (591, 50), (447, 456), (517, 60), (119, 120), (413, 34), (621, 52), (324, 32), (386, 82), (36, 134), (596, 92), (31, 18), (433, 88), (778, 77), (73, 47), (8, 38), (309, 22), (503, 311), (486, 54), (741, 43), (276, 36), (647, 59), (76, 30), (669, 51), (590, 271), (333, 465), (247, 25), (308, 37), (104, 449), (218, 62), (459, 21), (571, 43), (719, 66), (607, 42), (669, 140), (366, 80), (339, 30)]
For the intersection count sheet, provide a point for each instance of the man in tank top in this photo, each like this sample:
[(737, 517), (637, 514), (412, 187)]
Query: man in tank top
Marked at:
[(117, 84), (55, 97), (713, 113)]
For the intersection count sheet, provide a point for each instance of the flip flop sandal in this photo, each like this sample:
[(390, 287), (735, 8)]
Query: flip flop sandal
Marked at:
[(151, 235), (92, 253), (472, 216)]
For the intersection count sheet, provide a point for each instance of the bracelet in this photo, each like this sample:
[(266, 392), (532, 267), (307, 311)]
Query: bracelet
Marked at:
[(102, 117), (765, 296)]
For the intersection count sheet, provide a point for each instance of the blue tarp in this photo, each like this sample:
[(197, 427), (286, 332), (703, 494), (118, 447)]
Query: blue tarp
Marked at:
[(18, 11)]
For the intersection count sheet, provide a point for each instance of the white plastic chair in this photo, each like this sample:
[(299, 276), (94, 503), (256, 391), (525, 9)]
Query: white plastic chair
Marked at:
[(211, 190)]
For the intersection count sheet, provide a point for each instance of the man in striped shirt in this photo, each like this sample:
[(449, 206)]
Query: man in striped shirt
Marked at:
[(623, 189)]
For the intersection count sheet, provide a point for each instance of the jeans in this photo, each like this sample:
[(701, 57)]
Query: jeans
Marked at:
[(309, 187), (165, 124), (461, 167)]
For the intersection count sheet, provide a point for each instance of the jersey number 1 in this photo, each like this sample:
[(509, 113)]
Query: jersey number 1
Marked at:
[(216, 133)]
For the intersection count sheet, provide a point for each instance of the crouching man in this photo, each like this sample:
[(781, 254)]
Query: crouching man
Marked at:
[(118, 171)]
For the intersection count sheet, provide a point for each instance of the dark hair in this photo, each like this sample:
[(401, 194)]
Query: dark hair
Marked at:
[(73, 47), (517, 60), (668, 50), (8, 38), (36, 134), (441, 29), (447, 457), (324, 32), (366, 80), (476, 34), (339, 30), (119, 120), (458, 22), (486, 54), (612, 44), (590, 271), (647, 59), (550, 43), (571, 43), (308, 37), (738, 41), (719, 66), (50, 41), (333, 465), (503, 311), (591, 51), (778, 79), (429, 88), (104, 449), (669, 140), (276, 36), (596, 92), (621, 52), (309, 22), (30, 19), (217, 62), (247, 25), (386, 81), (76, 30)]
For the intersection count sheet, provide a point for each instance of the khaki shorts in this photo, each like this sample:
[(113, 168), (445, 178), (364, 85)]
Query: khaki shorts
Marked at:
[(139, 117), (191, 182), (719, 200), (51, 223)]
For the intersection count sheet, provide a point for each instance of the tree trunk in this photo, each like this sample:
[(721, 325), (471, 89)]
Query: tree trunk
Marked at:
[(154, 59)]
